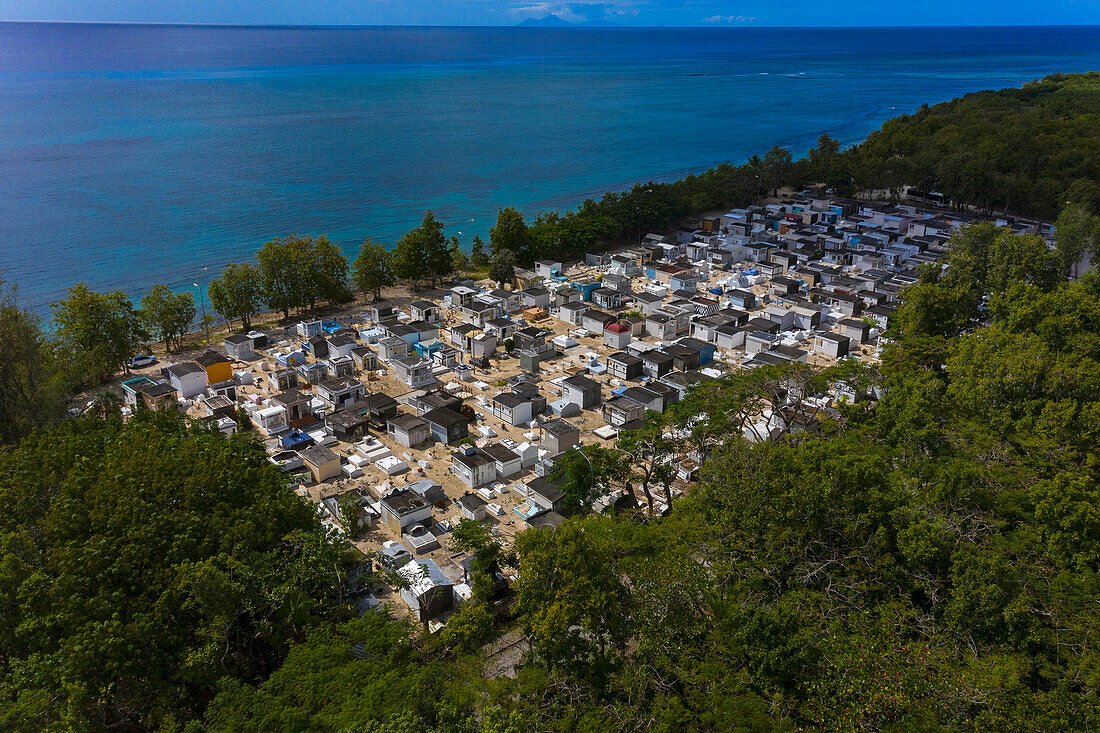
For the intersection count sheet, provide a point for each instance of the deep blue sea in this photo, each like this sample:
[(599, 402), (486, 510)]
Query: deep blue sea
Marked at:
[(131, 155)]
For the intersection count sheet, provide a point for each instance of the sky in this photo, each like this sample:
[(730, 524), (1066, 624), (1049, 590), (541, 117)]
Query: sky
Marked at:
[(510, 12)]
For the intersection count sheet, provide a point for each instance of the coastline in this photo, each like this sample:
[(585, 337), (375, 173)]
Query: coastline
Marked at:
[(174, 138), (398, 296)]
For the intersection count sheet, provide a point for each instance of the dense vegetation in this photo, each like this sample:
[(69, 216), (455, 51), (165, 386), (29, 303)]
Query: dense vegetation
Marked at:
[(1025, 151), (141, 563)]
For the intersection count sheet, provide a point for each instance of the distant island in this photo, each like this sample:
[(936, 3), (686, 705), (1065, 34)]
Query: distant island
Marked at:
[(556, 21)]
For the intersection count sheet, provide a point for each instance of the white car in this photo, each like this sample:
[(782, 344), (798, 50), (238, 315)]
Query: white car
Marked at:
[(141, 361)]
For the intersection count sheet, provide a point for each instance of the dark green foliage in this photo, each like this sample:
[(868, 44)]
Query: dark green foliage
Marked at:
[(925, 564), (984, 261), (237, 293), (571, 600), (1025, 150), (1077, 234), (823, 157), (142, 563), (510, 233), (926, 561), (502, 268), (373, 269), (167, 315), (34, 381), (300, 271), (470, 629), (488, 556), (459, 260), (580, 472), (478, 257), (361, 675), (424, 252), (98, 332), (650, 452), (624, 217)]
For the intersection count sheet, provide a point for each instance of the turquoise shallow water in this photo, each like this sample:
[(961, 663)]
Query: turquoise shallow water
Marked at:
[(131, 155)]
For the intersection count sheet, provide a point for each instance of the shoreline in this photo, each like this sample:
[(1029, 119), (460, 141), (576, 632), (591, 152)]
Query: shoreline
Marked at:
[(167, 217), (396, 295)]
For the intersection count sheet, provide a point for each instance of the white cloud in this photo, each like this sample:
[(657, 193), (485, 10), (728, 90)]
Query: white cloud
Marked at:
[(576, 11), (729, 19)]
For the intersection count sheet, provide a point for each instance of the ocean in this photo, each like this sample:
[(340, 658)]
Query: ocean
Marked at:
[(133, 154)]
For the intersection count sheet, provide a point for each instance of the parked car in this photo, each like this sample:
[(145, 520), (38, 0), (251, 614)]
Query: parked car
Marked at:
[(141, 361)]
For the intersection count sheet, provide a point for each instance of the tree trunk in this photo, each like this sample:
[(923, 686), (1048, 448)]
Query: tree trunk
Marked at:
[(648, 496)]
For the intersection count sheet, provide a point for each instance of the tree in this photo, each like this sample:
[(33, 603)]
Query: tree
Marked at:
[(826, 149), (570, 600), (651, 453), (167, 314), (1017, 258), (365, 674), (472, 537), (984, 261), (283, 263), (237, 293), (1026, 150), (373, 269), (489, 557), (424, 252), (410, 260), (1076, 233), (776, 165), (440, 250), (327, 272), (581, 473), (459, 260), (300, 270), (707, 416), (206, 323), (99, 332), (162, 558), (478, 258), (106, 404), (510, 233), (470, 629), (756, 165), (502, 269), (937, 309), (33, 378), (823, 158), (509, 345)]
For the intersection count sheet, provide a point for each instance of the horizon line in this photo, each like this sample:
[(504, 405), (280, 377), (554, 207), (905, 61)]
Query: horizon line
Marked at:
[(520, 26)]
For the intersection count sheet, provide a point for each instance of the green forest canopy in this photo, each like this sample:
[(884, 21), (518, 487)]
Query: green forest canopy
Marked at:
[(141, 563), (1026, 150)]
